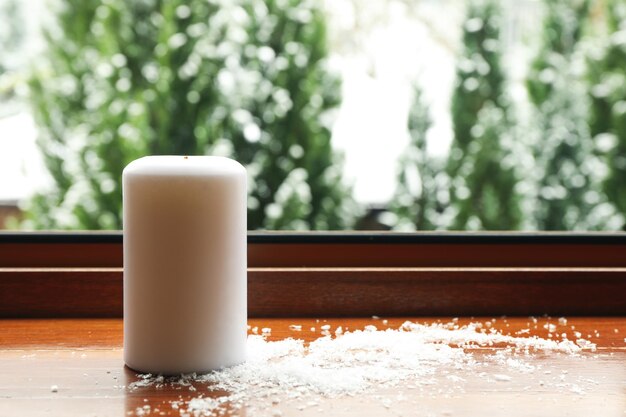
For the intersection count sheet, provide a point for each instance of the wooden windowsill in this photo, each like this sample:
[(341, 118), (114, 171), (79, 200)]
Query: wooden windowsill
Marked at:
[(61, 303), (83, 357), (345, 274)]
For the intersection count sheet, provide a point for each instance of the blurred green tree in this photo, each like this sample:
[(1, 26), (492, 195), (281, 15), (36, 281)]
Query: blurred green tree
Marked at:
[(607, 73), (417, 202), (246, 79), (12, 34), (568, 173), (483, 175)]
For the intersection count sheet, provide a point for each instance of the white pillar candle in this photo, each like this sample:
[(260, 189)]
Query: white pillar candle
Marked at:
[(184, 264)]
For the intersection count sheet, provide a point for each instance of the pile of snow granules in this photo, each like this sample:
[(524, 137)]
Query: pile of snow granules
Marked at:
[(414, 357)]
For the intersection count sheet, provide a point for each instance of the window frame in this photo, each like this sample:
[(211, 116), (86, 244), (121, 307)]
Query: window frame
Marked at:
[(70, 274)]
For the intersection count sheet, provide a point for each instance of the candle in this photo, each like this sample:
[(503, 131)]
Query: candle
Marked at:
[(184, 264)]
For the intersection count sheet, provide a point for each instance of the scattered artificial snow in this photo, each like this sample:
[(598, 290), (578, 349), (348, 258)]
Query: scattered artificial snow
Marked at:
[(358, 362), (551, 327), (577, 389)]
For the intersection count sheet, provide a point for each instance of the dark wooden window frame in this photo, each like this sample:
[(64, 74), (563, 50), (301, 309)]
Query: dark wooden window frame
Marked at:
[(328, 274)]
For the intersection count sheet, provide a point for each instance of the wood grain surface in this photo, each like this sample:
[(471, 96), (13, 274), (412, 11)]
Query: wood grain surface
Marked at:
[(341, 292), (83, 359)]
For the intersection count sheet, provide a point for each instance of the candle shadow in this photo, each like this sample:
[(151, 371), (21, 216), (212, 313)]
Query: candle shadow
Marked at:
[(171, 396)]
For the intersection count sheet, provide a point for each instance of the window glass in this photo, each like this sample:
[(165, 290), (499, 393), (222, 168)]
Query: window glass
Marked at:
[(380, 115)]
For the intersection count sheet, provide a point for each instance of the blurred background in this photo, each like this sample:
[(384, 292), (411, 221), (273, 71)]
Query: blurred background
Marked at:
[(379, 115)]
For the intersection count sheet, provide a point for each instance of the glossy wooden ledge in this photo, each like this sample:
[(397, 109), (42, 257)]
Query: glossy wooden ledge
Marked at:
[(83, 359), (351, 292)]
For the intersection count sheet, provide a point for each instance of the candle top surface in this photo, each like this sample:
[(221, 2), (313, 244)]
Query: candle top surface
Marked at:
[(175, 165)]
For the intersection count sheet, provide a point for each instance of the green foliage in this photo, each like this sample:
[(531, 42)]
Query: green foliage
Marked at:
[(286, 143), (12, 31), (608, 103), (417, 202), (11, 38), (482, 173), (568, 173), (245, 79), (562, 31)]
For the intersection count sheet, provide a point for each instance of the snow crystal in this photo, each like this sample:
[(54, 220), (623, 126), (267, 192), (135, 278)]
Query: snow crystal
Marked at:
[(551, 327)]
